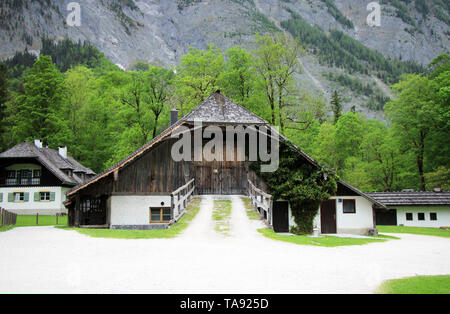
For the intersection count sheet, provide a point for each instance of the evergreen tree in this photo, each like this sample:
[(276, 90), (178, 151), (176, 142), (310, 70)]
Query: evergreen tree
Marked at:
[(336, 104)]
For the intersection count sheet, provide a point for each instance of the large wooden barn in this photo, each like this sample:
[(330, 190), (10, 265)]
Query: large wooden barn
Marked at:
[(149, 189)]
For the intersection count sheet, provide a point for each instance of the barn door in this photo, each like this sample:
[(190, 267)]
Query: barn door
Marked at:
[(217, 176), (328, 217)]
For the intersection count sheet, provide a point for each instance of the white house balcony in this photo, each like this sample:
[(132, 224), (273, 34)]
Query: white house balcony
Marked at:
[(23, 181)]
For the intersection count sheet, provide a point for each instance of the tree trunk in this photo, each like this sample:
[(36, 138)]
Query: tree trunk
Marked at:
[(420, 163)]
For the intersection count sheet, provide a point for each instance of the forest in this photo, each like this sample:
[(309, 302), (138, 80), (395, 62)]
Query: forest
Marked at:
[(73, 96)]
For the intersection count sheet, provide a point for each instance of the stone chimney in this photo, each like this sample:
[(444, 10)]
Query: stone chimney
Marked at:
[(38, 144), (173, 116), (63, 152)]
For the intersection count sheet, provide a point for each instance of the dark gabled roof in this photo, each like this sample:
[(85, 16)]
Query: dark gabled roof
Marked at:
[(50, 159), (216, 109), (412, 198)]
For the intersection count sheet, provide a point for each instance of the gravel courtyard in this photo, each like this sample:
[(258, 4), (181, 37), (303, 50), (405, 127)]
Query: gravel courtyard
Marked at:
[(50, 260)]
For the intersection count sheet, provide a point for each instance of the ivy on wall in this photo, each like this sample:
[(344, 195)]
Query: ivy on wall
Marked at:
[(301, 183)]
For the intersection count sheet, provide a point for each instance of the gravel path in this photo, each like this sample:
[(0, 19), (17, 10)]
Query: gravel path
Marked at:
[(49, 260)]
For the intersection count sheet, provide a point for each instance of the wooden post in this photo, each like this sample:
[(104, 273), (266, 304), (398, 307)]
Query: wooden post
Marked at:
[(77, 210)]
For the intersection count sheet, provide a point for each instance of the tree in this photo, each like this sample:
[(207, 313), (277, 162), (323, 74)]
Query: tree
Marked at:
[(277, 61), (380, 152), (325, 148), (198, 76), (336, 106), (38, 104), (348, 137), (4, 93), (160, 86), (239, 78), (137, 109), (413, 115)]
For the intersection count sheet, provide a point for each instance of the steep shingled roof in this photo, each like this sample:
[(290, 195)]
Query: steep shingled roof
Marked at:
[(50, 159), (220, 109), (216, 109), (412, 198)]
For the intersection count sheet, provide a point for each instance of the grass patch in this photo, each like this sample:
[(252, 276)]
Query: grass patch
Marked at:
[(415, 230), (6, 228), (384, 236), (251, 211), (30, 221), (325, 241), (221, 216), (172, 232), (416, 285)]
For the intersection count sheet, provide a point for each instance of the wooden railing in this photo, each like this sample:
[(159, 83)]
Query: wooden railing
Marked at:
[(261, 200), (180, 199), (7, 218)]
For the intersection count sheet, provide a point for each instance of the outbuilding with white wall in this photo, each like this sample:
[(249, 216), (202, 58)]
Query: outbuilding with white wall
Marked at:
[(414, 209)]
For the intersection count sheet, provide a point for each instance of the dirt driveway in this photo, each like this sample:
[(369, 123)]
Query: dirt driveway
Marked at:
[(49, 260)]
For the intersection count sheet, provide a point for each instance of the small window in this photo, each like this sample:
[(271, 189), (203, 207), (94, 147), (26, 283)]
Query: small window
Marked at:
[(409, 216), (433, 216), (26, 174), (160, 215), (36, 173), (155, 215), (19, 197), (421, 216), (11, 174), (44, 196), (349, 206)]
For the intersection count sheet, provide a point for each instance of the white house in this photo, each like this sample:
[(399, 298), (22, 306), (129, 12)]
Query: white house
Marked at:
[(35, 179), (414, 209)]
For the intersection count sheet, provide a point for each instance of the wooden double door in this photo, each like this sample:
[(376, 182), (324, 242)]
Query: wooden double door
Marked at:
[(220, 178)]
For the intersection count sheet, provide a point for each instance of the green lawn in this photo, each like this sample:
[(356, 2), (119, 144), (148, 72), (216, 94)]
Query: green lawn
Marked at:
[(172, 232), (416, 285), (30, 221), (221, 216), (325, 241), (6, 228), (250, 209), (415, 230)]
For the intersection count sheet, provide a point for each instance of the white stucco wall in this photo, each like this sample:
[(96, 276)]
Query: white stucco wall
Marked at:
[(443, 216), (31, 207), (134, 210), (357, 223)]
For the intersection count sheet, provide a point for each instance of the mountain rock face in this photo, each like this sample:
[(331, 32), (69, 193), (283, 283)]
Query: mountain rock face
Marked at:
[(161, 31)]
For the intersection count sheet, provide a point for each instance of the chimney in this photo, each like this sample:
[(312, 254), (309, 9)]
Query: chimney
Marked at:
[(173, 116), (38, 144), (63, 152)]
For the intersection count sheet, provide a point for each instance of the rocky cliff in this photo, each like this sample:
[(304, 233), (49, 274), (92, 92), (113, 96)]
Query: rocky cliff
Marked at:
[(161, 31)]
